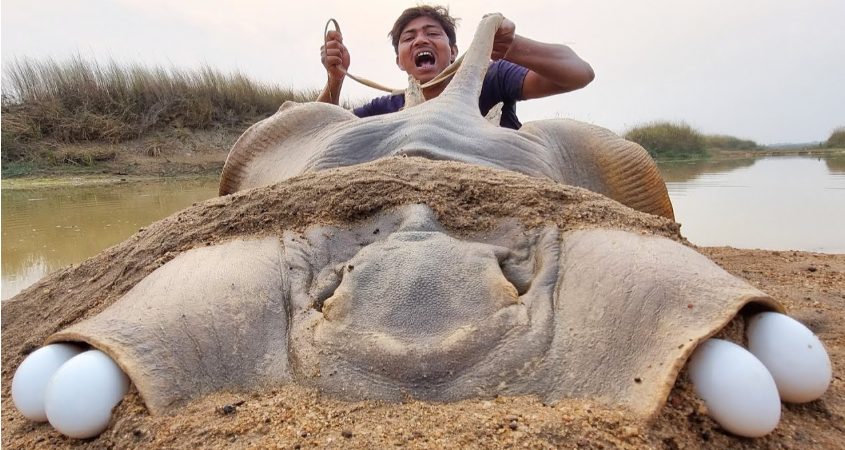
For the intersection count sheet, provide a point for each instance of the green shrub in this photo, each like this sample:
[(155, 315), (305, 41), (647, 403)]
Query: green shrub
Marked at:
[(836, 139), (668, 140), (11, 169), (719, 141), (79, 100)]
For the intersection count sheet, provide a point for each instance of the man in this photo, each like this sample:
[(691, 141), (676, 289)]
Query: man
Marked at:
[(424, 41)]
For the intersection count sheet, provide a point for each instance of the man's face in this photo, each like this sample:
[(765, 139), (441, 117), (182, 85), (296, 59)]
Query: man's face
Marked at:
[(424, 49)]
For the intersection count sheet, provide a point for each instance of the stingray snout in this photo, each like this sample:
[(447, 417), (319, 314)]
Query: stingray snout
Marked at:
[(420, 285)]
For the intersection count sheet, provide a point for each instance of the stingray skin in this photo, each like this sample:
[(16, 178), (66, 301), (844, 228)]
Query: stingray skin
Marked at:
[(396, 304), (418, 311)]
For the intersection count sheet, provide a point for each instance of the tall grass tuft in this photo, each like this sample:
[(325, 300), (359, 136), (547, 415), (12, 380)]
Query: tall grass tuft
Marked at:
[(79, 100), (836, 139), (668, 140), (723, 142)]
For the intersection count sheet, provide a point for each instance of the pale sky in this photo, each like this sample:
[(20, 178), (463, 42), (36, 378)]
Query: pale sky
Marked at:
[(768, 70)]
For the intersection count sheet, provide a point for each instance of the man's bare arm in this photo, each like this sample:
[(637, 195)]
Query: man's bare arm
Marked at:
[(335, 59), (553, 68), (331, 92)]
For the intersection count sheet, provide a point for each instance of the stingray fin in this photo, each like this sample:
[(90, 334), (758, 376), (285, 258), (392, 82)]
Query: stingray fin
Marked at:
[(630, 311), (280, 146), (598, 159), (213, 318)]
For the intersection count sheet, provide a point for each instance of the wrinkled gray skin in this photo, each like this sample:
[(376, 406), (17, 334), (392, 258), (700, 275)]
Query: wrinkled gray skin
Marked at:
[(413, 310), (397, 306)]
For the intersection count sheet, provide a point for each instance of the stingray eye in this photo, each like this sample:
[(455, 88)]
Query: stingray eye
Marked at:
[(327, 283), (514, 274)]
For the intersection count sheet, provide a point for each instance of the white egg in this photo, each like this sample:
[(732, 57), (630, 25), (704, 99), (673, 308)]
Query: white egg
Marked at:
[(794, 356), (739, 392), (82, 393), (31, 378)]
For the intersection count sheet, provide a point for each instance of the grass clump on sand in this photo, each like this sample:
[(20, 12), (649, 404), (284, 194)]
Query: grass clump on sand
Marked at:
[(836, 139), (50, 103), (666, 140)]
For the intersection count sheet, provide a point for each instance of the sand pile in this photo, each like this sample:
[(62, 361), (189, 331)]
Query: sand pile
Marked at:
[(811, 286)]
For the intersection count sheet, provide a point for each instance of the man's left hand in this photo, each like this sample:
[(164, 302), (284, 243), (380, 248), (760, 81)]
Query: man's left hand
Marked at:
[(503, 39)]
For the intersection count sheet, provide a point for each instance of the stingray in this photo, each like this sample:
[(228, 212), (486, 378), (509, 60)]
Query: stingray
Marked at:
[(534, 296), (347, 256), (416, 310)]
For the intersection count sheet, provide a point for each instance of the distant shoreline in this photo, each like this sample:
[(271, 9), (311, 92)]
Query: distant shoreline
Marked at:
[(721, 155)]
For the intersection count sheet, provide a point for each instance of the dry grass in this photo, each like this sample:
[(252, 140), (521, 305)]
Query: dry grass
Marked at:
[(79, 100), (666, 140), (723, 142), (669, 140)]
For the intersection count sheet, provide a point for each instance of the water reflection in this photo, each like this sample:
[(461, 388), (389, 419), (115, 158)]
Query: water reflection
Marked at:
[(680, 171), (835, 165), (46, 229), (777, 203)]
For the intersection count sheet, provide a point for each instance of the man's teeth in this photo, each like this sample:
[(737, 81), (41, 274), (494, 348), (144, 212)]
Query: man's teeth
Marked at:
[(425, 58)]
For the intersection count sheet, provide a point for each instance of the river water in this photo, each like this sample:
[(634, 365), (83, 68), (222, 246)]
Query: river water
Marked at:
[(775, 203), (45, 229)]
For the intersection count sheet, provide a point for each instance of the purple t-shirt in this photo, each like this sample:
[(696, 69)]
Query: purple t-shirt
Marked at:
[(503, 83)]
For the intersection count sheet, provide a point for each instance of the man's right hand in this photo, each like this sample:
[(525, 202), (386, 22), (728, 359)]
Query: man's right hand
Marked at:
[(334, 56)]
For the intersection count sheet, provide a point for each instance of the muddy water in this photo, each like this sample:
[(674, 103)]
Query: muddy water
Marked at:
[(773, 203), (46, 229)]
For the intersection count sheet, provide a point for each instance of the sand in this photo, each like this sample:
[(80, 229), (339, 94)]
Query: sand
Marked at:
[(811, 287)]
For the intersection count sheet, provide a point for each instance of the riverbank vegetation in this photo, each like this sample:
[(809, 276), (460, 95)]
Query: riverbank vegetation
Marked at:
[(50, 108), (82, 117), (836, 139), (677, 141), (667, 140)]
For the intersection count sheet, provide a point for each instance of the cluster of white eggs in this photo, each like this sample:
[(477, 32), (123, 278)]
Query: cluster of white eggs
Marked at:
[(75, 390), (743, 388)]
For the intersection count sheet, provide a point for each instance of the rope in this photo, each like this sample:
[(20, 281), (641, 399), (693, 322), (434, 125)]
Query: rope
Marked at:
[(443, 76)]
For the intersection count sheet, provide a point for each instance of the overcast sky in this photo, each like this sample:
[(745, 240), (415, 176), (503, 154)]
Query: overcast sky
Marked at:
[(768, 70)]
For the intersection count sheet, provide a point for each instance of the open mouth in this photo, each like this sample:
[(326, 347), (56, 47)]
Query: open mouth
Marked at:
[(424, 59)]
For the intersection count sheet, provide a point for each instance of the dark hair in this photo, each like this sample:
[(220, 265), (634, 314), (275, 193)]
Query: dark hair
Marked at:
[(438, 13)]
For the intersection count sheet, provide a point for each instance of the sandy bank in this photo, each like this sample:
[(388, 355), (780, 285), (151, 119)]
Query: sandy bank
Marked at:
[(811, 286)]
